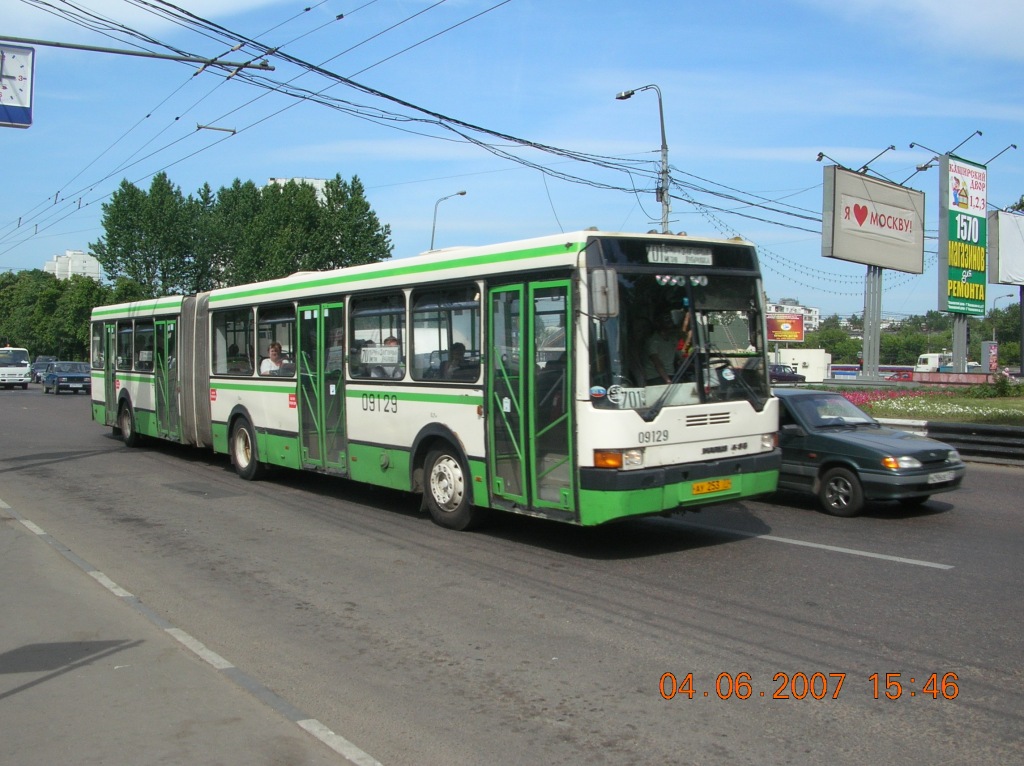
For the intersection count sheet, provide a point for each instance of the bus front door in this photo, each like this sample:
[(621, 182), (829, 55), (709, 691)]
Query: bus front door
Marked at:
[(165, 380), (320, 364), (530, 397)]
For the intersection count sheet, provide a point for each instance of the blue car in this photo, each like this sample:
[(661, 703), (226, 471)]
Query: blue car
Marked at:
[(67, 376), (836, 451)]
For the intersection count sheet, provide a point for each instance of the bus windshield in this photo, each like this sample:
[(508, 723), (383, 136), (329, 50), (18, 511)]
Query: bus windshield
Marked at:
[(677, 339)]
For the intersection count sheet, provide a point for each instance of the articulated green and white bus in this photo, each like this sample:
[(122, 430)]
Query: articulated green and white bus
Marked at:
[(512, 377)]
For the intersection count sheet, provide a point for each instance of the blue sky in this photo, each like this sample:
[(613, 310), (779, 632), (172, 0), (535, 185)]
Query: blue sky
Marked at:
[(752, 92)]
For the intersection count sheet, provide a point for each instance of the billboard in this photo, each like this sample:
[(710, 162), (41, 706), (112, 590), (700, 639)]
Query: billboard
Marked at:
[(16, 67), (963, 235), (1005, 248), (785, 328), (873, 222)]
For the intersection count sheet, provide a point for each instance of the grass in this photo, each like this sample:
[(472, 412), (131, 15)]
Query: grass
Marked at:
[(976, 404)]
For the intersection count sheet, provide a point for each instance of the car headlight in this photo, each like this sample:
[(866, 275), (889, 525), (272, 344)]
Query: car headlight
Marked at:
[(953, 456), (895, 463)]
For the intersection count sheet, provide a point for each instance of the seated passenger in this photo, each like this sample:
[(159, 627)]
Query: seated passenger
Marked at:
[(275, 364), (456, 358)]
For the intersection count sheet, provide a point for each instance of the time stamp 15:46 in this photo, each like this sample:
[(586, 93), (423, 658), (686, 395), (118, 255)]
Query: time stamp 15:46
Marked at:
[(817, 686)]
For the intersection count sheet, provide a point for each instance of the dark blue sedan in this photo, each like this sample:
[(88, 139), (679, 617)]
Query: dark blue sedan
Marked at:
[(836, 451), (67, 376)]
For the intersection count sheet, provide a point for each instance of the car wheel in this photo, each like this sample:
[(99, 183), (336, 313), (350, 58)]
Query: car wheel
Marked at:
[(448, 491), (56, 389), (840, 493), (126, 422), (913, 502), (243, 450)]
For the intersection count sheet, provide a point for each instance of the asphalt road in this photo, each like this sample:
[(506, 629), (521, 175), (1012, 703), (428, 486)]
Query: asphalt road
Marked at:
[(532, 642)]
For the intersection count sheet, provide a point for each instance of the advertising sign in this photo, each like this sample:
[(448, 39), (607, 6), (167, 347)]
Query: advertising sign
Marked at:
[(873, 222), (785, 328), (1005, 248), (963, 236)]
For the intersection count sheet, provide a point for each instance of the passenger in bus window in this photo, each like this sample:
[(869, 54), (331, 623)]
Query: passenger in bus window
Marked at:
[(275, 363), (393, 371), (456, 357)]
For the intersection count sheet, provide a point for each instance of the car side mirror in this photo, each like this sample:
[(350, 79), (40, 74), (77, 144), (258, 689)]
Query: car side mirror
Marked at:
[(792, 429)]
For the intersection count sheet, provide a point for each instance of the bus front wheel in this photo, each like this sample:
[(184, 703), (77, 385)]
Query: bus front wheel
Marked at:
[(448, 491), (243, 450)]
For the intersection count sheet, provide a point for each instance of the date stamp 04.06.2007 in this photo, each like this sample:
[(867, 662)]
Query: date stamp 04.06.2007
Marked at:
[(818, 686)]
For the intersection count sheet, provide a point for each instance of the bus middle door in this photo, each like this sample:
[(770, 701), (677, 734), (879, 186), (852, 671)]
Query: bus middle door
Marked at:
[(320, 364), (165, 378)]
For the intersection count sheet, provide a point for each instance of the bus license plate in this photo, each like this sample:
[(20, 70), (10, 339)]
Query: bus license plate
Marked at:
[(715, 485)]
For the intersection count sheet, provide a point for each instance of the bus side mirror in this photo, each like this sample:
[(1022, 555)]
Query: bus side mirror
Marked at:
[(604, 293)]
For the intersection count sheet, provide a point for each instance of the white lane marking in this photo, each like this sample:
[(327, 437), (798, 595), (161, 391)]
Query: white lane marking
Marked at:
[(200, 649), (32, 527), (109, 584), (338, 743), (821, 546)]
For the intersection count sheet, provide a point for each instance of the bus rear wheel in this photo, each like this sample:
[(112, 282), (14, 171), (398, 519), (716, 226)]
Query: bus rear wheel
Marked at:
[(448, 492), (126, 424), (243, 450)]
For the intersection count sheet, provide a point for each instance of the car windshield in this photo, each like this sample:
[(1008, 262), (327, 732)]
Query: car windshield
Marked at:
[(71, 367), (828, 411)]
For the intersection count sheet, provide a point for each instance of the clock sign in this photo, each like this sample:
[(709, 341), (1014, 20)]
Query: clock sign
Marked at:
[(16, 65)]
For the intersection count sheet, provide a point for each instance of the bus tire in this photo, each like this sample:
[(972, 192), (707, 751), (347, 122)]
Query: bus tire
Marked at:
[(244, 454), (126, 425), (447, 490)]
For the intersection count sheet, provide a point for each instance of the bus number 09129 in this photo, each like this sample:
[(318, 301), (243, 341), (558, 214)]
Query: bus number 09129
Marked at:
[(653, 437), (387, 403)]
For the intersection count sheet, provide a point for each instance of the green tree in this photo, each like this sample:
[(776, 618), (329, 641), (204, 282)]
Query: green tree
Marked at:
[(350, 233), (170, 244), (836, 342), (79, 296), (28, 300), (147, 237), (232, 236)]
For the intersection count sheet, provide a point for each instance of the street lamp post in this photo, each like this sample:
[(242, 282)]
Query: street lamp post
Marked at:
[(433, 228), (997, 298), (663, 190)]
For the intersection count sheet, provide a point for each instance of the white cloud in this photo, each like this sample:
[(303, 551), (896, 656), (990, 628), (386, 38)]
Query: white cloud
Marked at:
[(981, 29), (27, 20)]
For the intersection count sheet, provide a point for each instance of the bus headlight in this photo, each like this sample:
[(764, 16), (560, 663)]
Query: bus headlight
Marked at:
[(628, 458), (769, 442)]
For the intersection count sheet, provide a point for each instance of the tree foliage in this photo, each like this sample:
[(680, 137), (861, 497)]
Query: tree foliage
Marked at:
[(902, 343), (171, 244), (47, 315)]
